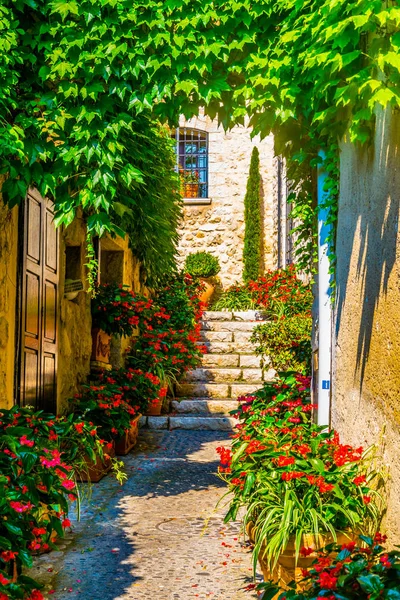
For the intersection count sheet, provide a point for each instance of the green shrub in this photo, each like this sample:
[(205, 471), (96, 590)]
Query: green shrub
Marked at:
[(237, 297), (202, 264), (252, 255), (287, 343)]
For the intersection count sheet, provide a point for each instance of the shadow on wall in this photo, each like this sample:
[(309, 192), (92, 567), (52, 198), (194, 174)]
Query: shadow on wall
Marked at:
[(367, 230)]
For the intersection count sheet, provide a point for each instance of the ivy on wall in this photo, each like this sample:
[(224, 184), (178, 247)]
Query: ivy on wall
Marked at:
[(252, 221), (77, 74)]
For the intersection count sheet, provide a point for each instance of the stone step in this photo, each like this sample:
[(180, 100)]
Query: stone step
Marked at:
[(229, 375), (202, 422), (204, 406), (229, 325), (245, 360), (241, 389), (228, 347), (216, 336), (199, 422), (240, 315), (203, 390), (222, 360)]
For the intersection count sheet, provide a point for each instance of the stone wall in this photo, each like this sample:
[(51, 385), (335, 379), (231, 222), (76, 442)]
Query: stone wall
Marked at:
[(219, 226), (8, 294), (367, 347)]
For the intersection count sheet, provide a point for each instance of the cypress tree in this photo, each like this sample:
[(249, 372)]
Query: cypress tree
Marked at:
[(252, 220)]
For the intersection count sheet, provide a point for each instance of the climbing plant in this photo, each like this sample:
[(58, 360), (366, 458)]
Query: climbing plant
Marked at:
[(77, 74), (252, 221)]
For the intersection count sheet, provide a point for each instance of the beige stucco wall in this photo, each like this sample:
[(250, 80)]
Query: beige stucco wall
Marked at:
[(219, 226), (8, 291), (366, 388)]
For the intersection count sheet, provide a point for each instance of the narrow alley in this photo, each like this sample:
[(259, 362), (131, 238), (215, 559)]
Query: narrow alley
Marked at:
[(157, 536)]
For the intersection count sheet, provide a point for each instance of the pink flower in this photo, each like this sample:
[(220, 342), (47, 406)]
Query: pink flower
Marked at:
[(25, 442)]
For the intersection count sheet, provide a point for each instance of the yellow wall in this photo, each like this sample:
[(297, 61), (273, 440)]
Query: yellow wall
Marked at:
[(366, 393), (8, 291)]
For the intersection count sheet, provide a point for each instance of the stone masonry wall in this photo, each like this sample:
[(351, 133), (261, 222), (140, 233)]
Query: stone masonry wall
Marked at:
[(219, 227)]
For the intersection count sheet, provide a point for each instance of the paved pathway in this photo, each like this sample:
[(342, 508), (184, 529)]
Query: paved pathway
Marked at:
[(158, 536)]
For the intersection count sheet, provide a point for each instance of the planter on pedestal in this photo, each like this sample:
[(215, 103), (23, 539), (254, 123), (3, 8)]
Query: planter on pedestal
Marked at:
[(129, 439)]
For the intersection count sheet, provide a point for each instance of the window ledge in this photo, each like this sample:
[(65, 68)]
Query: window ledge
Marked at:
[(196, 201)]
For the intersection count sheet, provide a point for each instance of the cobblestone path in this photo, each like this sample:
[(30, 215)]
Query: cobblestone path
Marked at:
[(158, 536)]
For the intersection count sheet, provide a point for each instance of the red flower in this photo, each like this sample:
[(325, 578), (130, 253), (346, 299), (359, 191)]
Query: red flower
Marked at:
[(66, 523), (8, 555), (25, 442), (327, 582), (367, 499), (359, 480), (384, 560), (306, 551), (4, 580), (283, 461), (350, 546), (20, 507), (292, 475)]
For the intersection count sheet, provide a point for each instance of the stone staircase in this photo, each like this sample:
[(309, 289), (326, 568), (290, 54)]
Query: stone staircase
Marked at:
[(228, 370)]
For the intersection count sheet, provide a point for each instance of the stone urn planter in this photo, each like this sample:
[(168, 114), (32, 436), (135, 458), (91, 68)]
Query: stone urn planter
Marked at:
[(208, 291), (125, 444), (287, 569), (94, 471), (101, 346)]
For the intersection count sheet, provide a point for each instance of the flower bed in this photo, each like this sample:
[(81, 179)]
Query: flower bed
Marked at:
[(39, 456), (293, 477)]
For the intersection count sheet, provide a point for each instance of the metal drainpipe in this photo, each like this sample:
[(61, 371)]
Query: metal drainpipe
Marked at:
[(324, 305)]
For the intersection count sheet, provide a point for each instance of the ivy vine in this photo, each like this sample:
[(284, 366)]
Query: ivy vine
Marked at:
[(75, 76)]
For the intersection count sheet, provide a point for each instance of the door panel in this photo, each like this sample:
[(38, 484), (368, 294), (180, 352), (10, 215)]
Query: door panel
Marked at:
[(39, 305)]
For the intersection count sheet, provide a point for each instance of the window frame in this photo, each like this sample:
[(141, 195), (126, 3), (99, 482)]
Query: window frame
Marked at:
[(189, 135)]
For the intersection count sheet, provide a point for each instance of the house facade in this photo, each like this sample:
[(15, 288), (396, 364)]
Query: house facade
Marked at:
[(214, 166), (45, 333)]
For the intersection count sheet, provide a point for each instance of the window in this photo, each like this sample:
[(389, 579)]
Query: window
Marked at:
[(192, 159)]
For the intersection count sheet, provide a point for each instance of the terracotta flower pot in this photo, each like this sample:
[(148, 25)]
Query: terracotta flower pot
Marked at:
[(155, 408), (191, 190), (96, 470), (208, 291), (287, 569), (101, 346), (125, 444)]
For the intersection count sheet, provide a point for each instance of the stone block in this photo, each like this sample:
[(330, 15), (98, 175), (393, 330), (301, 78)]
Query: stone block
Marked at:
[(249, 361), (249, 315), (217, 315), (217, 336), (202, 423), (142, 422), (252, 376), (243, 347), (230, 325), (269, 374), (222, 360), (221, 347), (205, 407), (240, 389), (242, 336), (202, 390), (158, 422), (216, 375)]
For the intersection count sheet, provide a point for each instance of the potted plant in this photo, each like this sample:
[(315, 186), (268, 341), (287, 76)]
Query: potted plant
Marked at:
[(300, 486), (190, 182), (203, 266), (361, 570), (115, 310)]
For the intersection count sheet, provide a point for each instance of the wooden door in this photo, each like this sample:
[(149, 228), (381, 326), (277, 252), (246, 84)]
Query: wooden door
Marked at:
[(39, 305)]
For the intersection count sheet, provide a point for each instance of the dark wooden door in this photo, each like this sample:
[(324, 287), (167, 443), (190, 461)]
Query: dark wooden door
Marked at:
[(39, 305)]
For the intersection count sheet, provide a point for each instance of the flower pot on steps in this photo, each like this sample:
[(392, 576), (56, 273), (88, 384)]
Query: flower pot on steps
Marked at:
[(125, 444)]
